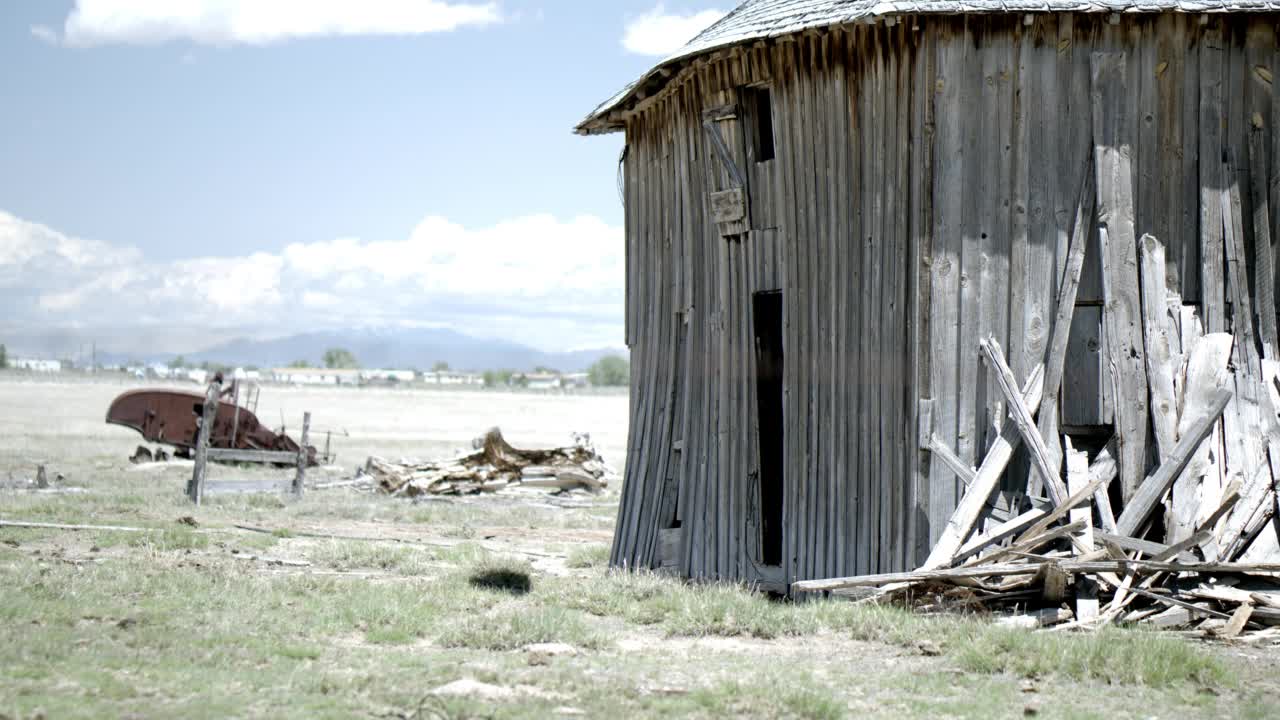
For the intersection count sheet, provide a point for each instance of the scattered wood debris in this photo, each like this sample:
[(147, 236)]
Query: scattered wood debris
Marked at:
[(1195, 543), (493, 467)]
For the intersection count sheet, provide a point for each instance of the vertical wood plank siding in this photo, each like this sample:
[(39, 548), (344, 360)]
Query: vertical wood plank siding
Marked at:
[(919, 199)]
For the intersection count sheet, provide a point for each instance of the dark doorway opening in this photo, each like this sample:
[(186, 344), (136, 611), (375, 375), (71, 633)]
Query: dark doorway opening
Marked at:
[(766, 309), (759, 102)]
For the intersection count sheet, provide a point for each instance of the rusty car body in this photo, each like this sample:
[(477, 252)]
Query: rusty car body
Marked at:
[(172, 417)]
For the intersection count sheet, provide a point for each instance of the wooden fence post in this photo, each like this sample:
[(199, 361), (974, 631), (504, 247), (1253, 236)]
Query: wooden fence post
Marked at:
[(303, 456), (195, 490)]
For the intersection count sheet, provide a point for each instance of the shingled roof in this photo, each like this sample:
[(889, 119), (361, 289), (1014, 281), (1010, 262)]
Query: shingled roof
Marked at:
[(761, 19)]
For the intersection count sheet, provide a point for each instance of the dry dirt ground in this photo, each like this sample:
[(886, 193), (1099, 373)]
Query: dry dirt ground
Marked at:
[(344, 604)]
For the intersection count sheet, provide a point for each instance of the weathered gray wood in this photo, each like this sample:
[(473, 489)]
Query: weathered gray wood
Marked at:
[(1004, 530), (1123, 316), (948, 458), (1060, 511), (1155, 323), (1102, 471), (1255, 507), (300, 478), (1056, 357), (881, 193), (1154, 487), (1244, 352), (986, 479), (1263, 263), (1078, 480), (949, 163), (1030, 568), (195, 488), (1206, 372), (1212, 273), (226, 455), (1023, 420), (1085, 380), (1147, 547)]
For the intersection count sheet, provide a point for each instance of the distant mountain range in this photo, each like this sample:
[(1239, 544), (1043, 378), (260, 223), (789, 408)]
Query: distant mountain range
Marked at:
[(417, 348), (411, 348)]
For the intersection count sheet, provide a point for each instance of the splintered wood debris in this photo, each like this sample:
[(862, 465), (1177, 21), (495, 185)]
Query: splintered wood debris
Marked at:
[(1194, 545), (494, 466)]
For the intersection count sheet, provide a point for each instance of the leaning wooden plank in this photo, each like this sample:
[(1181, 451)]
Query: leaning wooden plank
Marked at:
[(1062, 509), (1155, 326), (1123, 314), (1006, 529), (1031, 568), (1078, 480), (1250, 444), (939, 448), (1030, 542), (1103, 471), (977, 571), (1023, 420), (1238, 620), (1176, 602), (1144, 501), (1263, 264), (1146, 547), (1206, 372), (985, 480), (1056, 357), (1257, 501)]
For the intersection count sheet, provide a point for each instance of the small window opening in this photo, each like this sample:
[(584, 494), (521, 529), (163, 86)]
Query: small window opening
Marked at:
[(759, 102), (766, 310)]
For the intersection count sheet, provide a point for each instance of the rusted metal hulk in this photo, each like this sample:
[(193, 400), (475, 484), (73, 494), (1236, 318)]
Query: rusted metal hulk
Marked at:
[(171, 417)]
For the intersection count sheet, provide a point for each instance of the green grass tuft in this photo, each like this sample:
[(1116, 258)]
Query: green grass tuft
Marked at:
[(511, 628), (590, 556)]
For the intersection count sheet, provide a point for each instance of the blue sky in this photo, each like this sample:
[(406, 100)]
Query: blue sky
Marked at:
[(360, 163)]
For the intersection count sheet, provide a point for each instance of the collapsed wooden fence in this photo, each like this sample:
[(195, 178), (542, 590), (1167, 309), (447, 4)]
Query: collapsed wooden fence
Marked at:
[(204, 454)]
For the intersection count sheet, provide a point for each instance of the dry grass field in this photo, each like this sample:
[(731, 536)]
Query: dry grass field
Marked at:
[(429, 610)]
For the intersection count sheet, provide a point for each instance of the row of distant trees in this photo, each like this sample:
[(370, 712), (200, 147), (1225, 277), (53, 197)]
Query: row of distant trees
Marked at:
[(608, 371)]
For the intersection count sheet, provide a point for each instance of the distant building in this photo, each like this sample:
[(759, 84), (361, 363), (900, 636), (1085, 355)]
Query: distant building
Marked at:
[(575, 380), (448, 377), (542, 381), (34, 365), (246, 375), (315, 376), (387, 376)]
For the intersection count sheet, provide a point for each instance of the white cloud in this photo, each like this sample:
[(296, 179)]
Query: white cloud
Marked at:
[(44, 33), (536, 280), (660, 33), (259, 22)]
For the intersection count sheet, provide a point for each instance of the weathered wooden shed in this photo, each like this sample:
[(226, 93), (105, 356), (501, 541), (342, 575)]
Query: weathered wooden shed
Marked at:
[(831, 203)]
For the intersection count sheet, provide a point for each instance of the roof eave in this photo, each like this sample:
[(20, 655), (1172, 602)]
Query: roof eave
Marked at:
[(606, 118)]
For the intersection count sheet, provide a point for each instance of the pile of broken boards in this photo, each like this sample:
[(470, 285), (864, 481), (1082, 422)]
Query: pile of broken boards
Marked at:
[(1180, 532), (493, 467)]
